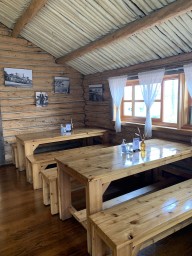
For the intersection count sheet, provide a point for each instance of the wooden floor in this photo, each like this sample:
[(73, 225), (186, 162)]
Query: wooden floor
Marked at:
[(28, 229)]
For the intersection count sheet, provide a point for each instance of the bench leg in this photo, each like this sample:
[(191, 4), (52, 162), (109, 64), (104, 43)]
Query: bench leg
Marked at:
[(54, 197), (46, 193), (16, 158), (28, 171), (98, 248), (125, 250), (37, 181)]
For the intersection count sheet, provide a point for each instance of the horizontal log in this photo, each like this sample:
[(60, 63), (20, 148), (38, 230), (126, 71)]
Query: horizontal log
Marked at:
[(18, 93), (100, 125), (49, 68), (41, 121), (99, 108), (97, 115), (41, 114), (29, 101), (32, 108), (12, 132), (26, 55), (16, 41)]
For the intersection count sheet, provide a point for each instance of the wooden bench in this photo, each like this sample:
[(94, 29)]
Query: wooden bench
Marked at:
[(14, 154), (36, 163), (50, 188), (133, 225)]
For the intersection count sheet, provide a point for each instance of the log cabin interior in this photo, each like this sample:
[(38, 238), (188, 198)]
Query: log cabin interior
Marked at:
[(73, 53)]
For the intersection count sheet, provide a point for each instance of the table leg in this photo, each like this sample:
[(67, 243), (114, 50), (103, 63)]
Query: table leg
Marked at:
[(94, 203), (21, 156), (64, 192)]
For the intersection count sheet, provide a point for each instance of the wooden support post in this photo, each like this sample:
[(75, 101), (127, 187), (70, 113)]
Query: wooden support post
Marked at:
[(94, 203), (64, 191)]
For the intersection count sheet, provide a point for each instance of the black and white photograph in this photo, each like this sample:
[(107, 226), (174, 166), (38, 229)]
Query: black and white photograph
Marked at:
[(62, 85), (96, 92), (41, 99), (18, 77)]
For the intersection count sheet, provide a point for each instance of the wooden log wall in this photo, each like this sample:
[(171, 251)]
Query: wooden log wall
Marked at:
[(18, 110), (98, 113)]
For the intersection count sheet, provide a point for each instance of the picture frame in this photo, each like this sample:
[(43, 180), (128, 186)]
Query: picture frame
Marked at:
[(18, 77), (41, 99), (62, 85), (96, 92)]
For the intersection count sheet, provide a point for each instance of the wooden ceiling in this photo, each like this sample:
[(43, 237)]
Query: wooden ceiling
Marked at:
[(99, 35)]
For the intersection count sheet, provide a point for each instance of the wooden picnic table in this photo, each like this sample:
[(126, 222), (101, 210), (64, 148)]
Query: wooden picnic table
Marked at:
[(98, 168), (27, 143)]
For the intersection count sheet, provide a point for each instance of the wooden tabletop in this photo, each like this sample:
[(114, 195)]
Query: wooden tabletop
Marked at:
[(45, 135), (110, 164)]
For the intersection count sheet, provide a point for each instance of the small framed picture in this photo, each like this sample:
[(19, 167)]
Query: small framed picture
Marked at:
[(18, 77), (96, 92), (41, 99), (62, 85)]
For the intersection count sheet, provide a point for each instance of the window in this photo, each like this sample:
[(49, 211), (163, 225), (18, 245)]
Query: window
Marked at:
[(165, 111)]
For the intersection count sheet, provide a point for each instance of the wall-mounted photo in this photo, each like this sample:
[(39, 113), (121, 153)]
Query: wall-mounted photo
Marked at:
[(62, 85), (96, 92), (18, 77), (41, 99)]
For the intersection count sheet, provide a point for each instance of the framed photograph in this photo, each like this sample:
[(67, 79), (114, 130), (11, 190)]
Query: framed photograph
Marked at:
[(41, 99), (62, 85), (18, 77), (96, 92)]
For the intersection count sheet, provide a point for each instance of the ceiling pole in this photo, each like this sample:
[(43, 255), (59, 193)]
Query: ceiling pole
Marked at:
[(155, 18), (172, 62), (29, 13)]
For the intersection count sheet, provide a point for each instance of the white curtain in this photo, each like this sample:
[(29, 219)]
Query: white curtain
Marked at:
[(188, 77), (150, 84), (117, 85)]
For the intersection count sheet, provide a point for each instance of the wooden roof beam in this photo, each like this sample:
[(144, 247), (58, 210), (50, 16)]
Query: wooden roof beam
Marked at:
[(30, 12), (172, 62), (174, 9)]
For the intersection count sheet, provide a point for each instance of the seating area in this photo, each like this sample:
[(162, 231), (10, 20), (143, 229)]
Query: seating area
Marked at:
[(135, 224), (118, 222), (39, 162), (95, 127)]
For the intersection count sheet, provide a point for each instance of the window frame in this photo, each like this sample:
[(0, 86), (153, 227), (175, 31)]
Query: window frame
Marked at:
[(182, 107)]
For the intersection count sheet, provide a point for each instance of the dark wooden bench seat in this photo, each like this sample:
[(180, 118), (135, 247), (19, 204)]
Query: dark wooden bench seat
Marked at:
[(132, 225), (39, 162)]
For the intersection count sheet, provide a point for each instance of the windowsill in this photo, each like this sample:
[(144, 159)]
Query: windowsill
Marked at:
[(161, 128)]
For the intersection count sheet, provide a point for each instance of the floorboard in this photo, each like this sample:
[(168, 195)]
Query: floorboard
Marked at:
[(28, 229)]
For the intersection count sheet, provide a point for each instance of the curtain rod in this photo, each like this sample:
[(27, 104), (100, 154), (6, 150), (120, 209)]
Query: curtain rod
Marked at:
[(166, 71)]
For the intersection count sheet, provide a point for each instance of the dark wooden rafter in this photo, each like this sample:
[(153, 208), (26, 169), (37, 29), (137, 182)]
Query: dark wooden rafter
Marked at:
[(174, 9), (29, 13)]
